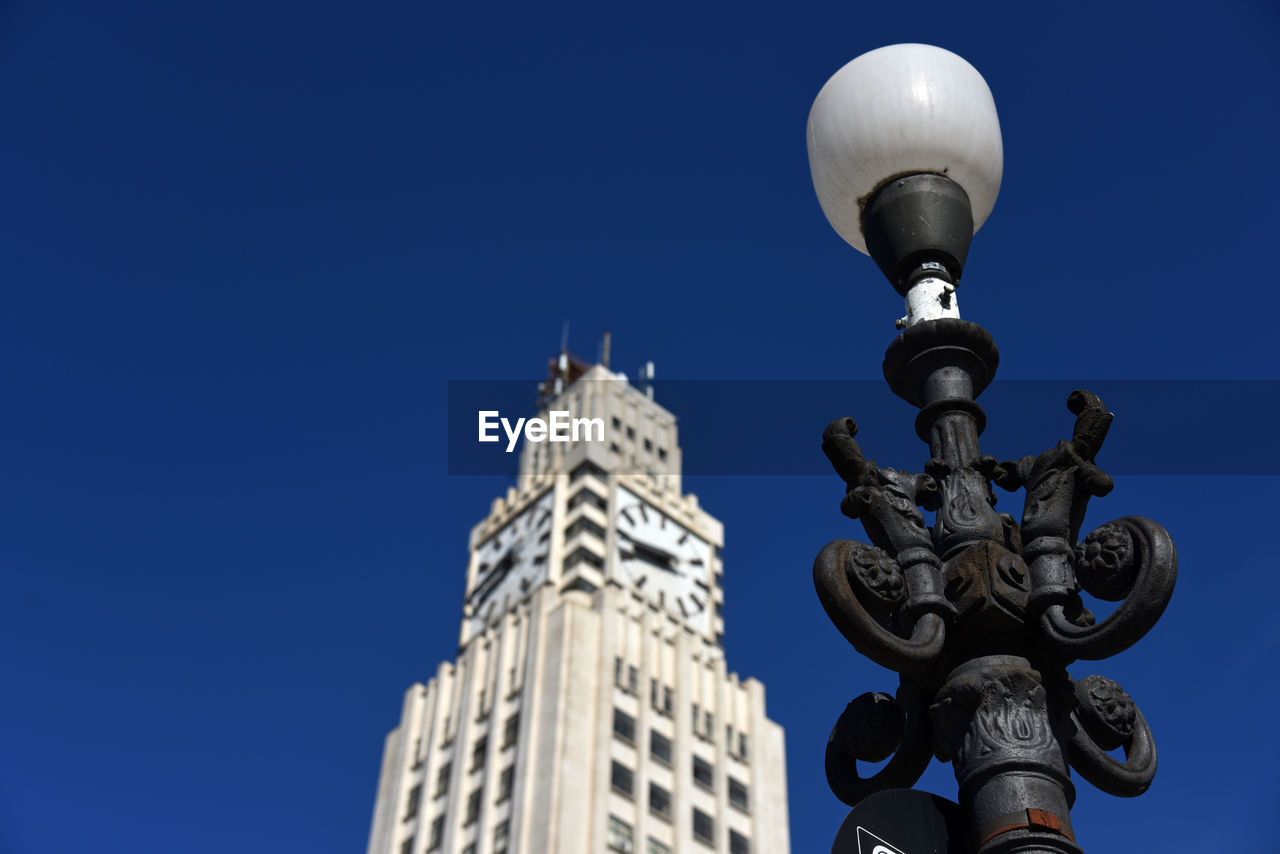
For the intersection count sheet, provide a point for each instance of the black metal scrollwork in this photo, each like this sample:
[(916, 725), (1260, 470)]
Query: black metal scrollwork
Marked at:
[(909, 631), (855, 601), (1133, 558), (873, 727), (973, 610), (1059, 483), (1107, 718)]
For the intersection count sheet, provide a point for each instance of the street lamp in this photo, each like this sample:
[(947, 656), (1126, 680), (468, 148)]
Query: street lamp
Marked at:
[(979, 613)]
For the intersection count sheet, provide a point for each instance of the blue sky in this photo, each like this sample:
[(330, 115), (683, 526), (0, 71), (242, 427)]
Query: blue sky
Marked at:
[(244, 247)]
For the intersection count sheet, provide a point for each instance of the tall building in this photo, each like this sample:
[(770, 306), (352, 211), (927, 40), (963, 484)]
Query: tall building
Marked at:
[(590, 708)]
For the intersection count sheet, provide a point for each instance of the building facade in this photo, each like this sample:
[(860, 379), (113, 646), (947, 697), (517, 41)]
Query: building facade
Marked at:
[(590, 708)]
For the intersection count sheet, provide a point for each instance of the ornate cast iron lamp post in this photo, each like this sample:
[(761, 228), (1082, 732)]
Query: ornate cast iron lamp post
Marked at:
[(980, 614)]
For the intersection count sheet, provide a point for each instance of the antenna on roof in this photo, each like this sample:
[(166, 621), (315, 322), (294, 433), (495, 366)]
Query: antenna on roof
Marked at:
[(646, 379), (562, 360), (604, 356)]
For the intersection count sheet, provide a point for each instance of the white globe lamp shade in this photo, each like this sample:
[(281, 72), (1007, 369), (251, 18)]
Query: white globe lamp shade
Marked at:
[(901, 110)]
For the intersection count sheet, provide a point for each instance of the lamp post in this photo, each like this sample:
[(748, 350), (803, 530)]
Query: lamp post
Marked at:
[(979, 613)]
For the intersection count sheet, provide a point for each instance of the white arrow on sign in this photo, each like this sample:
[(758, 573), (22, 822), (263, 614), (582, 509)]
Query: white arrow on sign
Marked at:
[(869, 843)]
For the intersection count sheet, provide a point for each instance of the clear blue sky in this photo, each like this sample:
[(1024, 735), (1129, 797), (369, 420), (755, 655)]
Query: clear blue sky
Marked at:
[(244, 246)]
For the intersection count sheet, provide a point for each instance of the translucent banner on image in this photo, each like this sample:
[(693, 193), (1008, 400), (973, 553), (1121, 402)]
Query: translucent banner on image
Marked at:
[(774, 427)]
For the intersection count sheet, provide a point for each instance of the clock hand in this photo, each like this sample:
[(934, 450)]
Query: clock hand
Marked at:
[(656, 557), (496, 575)]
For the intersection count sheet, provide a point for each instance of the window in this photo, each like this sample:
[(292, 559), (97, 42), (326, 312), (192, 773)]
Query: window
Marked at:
[(411, 806), (588, 467), (442, 779), (588, 496), (583, 555), (505, 783), (437, 833), (511, 730), (662, 453), (501, 837), (406, 847), (613, 446), (580, 583), (478, 752), (659, 801), (619, 835), (473, 808), (633, 680), (703, 722), (738, 795), (648, 445), (470, 849), (656, 847), (660, 697), (704, 827), (582, 523), (742, 746), (631, 432), (738, 844), (703, 774), (622, 780), (660, 747), (617, 423), (624, 726)]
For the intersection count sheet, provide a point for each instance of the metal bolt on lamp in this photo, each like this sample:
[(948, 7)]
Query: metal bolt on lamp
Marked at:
[(979, 613)]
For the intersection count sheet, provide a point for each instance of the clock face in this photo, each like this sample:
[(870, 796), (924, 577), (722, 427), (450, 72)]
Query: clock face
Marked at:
[(664, 561), (511, 563)]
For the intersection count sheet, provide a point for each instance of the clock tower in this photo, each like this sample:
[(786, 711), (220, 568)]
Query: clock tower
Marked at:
[(590, 707)]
